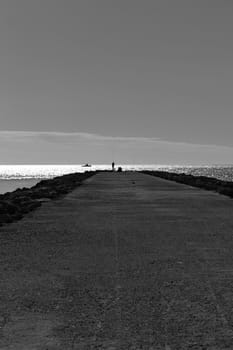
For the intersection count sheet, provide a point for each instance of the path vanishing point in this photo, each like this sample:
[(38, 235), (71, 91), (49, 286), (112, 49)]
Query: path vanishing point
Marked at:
[(126, 261)]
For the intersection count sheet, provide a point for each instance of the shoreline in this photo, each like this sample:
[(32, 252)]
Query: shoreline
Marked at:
[(14, 205)]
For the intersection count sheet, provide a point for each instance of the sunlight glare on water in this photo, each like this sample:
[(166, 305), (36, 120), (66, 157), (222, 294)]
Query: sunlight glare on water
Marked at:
[(20, 172), (18, 176)]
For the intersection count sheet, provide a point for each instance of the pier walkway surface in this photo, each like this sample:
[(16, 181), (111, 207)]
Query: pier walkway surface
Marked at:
[(126, 261)]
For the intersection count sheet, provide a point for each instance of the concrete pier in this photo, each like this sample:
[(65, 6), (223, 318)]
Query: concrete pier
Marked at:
[(126, 261)]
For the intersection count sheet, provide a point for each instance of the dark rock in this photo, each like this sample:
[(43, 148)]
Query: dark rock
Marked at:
[(11, 208), (17, 216), (7, 207), (6, 218), (207, 183), (228, 191), (34, 205), (2, 208), (13, 205)]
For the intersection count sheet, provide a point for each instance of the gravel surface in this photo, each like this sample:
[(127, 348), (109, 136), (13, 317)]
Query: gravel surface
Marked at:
[(126, 261)]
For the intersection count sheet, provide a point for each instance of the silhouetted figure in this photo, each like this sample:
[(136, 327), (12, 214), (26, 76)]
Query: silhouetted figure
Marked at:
[(113, 166)]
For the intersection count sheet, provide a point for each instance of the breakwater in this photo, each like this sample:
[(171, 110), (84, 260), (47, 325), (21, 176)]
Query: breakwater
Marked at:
[(14, 205), (207, 183)]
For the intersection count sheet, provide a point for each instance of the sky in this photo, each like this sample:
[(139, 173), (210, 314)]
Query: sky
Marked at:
[(127, 80)]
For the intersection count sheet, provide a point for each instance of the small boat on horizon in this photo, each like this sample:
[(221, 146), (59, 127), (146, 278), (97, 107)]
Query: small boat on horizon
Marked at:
[(86, 165)]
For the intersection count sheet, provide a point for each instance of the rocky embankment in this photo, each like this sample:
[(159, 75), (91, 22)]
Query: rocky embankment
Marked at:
[(207, 183), (14, 205)]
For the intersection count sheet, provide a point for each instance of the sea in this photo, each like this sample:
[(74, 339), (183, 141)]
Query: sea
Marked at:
[(19, 176)]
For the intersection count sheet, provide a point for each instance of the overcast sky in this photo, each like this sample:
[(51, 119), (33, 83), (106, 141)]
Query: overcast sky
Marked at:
[(140, 81)]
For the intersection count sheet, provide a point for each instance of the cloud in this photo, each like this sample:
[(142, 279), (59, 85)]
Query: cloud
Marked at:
[(63, 136), (73, 137), (52, 147)]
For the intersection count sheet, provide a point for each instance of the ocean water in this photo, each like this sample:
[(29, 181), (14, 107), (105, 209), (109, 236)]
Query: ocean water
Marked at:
[(18, 176)]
